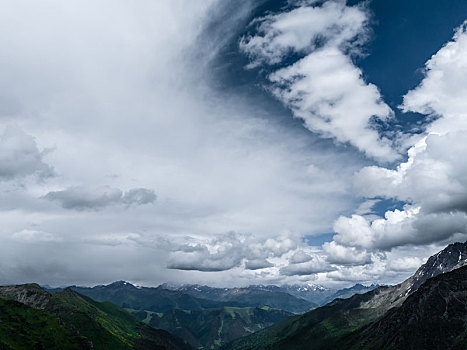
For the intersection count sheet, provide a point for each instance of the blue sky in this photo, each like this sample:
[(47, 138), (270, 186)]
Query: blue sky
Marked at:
[(230, 142)]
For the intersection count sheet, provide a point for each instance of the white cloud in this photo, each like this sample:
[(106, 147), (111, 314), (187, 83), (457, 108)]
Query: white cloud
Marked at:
[(314, 266), (345, 255), (324, 88), (224, 252), (124, 101), (303, 29), (442, 92), (432, 181), (366, 208), (399, 227), (300, 257), (31, 236), (408, 263)]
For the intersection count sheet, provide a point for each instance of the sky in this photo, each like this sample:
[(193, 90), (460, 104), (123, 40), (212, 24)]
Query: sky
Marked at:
[(229, 142)]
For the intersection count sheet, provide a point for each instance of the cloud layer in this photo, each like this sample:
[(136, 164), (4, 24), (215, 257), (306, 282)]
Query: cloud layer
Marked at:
[(20, 156), (120, 110), (119, 156)]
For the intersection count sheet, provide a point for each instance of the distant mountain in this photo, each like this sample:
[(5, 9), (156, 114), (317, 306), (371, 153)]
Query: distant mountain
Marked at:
[(161, 299), (325, 327), (348, 292), (209, 329), (252, 296), (203, 316), (126, 295), (315, 294), (433, 317), (32, 318)]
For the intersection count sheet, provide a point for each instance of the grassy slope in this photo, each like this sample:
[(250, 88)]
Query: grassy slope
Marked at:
[(214, 327), (319, 328), (24, 327), (153, 299), (106, 325)]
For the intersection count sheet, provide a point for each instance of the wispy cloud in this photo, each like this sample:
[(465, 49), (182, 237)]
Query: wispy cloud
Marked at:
[(323, 88)]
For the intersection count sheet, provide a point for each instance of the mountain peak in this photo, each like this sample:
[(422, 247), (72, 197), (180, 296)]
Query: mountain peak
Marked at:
[(450, 258), (121, 284)]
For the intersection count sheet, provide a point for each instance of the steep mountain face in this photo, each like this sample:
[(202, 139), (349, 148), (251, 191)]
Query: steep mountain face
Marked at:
[(161, 299), (433, 317), (323, 328), (96, 325), (209, 329), (450, 258), (348, 292)]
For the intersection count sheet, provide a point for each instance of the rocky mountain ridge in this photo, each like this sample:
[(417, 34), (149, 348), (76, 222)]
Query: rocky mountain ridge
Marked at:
[(324, 327)]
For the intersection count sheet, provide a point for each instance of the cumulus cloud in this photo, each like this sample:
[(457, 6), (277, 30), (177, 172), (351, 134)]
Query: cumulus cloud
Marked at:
[(257, 264), (227, 251), (442, 92), (432, 181), (20, 156), (408, 263), (314, 266), (300, 257), (324, 88), (82, 198), (345, 255)]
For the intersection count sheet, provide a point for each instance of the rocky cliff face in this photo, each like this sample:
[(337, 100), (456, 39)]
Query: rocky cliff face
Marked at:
[(28, 294), (433, 317), (450, 258)]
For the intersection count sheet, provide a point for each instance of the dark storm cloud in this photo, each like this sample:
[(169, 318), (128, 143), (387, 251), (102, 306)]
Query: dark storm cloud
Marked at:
[(257, 264), (81, 198)]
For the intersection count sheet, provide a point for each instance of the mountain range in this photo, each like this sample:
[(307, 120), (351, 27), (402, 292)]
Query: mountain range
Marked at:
[(327, 327), (426, 311), (160, 299), (316, 295)]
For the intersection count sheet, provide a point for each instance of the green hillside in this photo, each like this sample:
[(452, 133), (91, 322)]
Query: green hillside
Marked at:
[(159, 299), (24, 327), (209, 329), (85, 323)]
